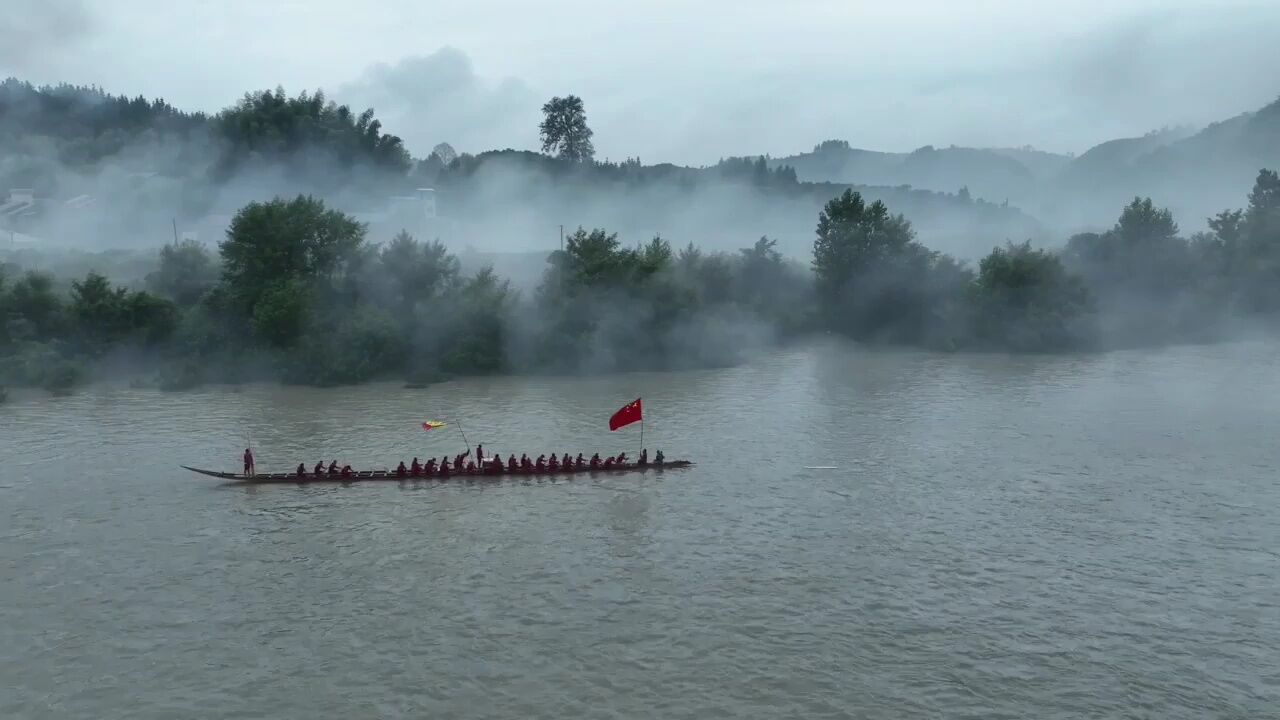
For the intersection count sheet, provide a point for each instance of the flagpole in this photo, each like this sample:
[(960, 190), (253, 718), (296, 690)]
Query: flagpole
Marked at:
[(464, 436)]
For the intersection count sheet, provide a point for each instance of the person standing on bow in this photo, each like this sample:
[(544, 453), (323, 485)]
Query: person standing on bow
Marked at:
[(249, 469)]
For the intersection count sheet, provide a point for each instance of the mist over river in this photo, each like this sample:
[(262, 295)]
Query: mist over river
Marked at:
[(1002, 537)]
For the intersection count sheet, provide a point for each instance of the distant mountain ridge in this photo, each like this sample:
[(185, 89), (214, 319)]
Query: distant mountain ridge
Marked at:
[(1194, 171)]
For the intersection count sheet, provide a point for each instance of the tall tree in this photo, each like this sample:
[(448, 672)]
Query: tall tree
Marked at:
[(1262, 219), (564, 129), (852, 238), (278, 251), (874, 281), (1260, 261), (1143, 224), (445, 152)]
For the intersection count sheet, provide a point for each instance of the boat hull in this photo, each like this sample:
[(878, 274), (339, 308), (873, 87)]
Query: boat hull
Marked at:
[(385, 475)]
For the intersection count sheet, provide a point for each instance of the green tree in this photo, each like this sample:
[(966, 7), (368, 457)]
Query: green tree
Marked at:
[(564, 129), (280, 314), (445, 152), (362, 344), (280, 253), (1258, 265), (478, 338), (36, 312), (273, 127), (99, 311), (412, 274), (187, 271), (1228, 225), (1142, 224), (1027, 301), (852, 238), (871, 274), (107, 316), (1262, 218)]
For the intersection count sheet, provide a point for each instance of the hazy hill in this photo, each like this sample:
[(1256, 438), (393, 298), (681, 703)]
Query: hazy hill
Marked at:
[(113, 171), (995, 175), (1195, 172)]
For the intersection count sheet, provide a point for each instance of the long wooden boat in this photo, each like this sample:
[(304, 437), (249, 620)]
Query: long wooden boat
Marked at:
[(367, 475)]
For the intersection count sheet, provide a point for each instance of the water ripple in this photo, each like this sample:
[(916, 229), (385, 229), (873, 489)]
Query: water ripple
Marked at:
[(1002, 538)]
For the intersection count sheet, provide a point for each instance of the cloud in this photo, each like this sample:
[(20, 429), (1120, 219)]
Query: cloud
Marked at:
[(428, 99), (33, 32)]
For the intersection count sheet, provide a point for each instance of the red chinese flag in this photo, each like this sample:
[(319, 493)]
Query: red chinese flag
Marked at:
[(628, 414)]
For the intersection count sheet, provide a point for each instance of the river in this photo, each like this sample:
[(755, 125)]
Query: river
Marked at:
[(1002, 537)]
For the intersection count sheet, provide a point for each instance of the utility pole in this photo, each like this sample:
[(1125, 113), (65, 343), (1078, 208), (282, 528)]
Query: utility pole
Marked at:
[(562, 238)]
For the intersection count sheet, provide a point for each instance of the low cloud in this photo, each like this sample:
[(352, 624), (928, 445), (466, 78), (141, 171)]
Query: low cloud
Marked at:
[(34, 32), (428, 99)]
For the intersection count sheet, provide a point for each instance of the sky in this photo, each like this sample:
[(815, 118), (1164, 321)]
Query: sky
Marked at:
[(685, 82)]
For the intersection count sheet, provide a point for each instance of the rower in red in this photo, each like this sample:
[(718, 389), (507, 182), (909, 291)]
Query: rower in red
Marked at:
[(415, 469), (512, 463), (595, 461), (553, 464), (249, 469)]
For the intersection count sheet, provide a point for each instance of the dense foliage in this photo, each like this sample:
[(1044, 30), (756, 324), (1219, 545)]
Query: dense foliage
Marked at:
[(56, 137), (564, 129), (297, 292)]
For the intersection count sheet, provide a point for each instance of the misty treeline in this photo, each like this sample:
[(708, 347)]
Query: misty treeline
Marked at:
[(116, 171), (1139, 283), (297, 292), (59, 139), (296, 140)]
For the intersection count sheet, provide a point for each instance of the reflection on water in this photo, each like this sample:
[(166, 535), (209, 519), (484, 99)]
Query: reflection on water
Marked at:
[(1003, 537)]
